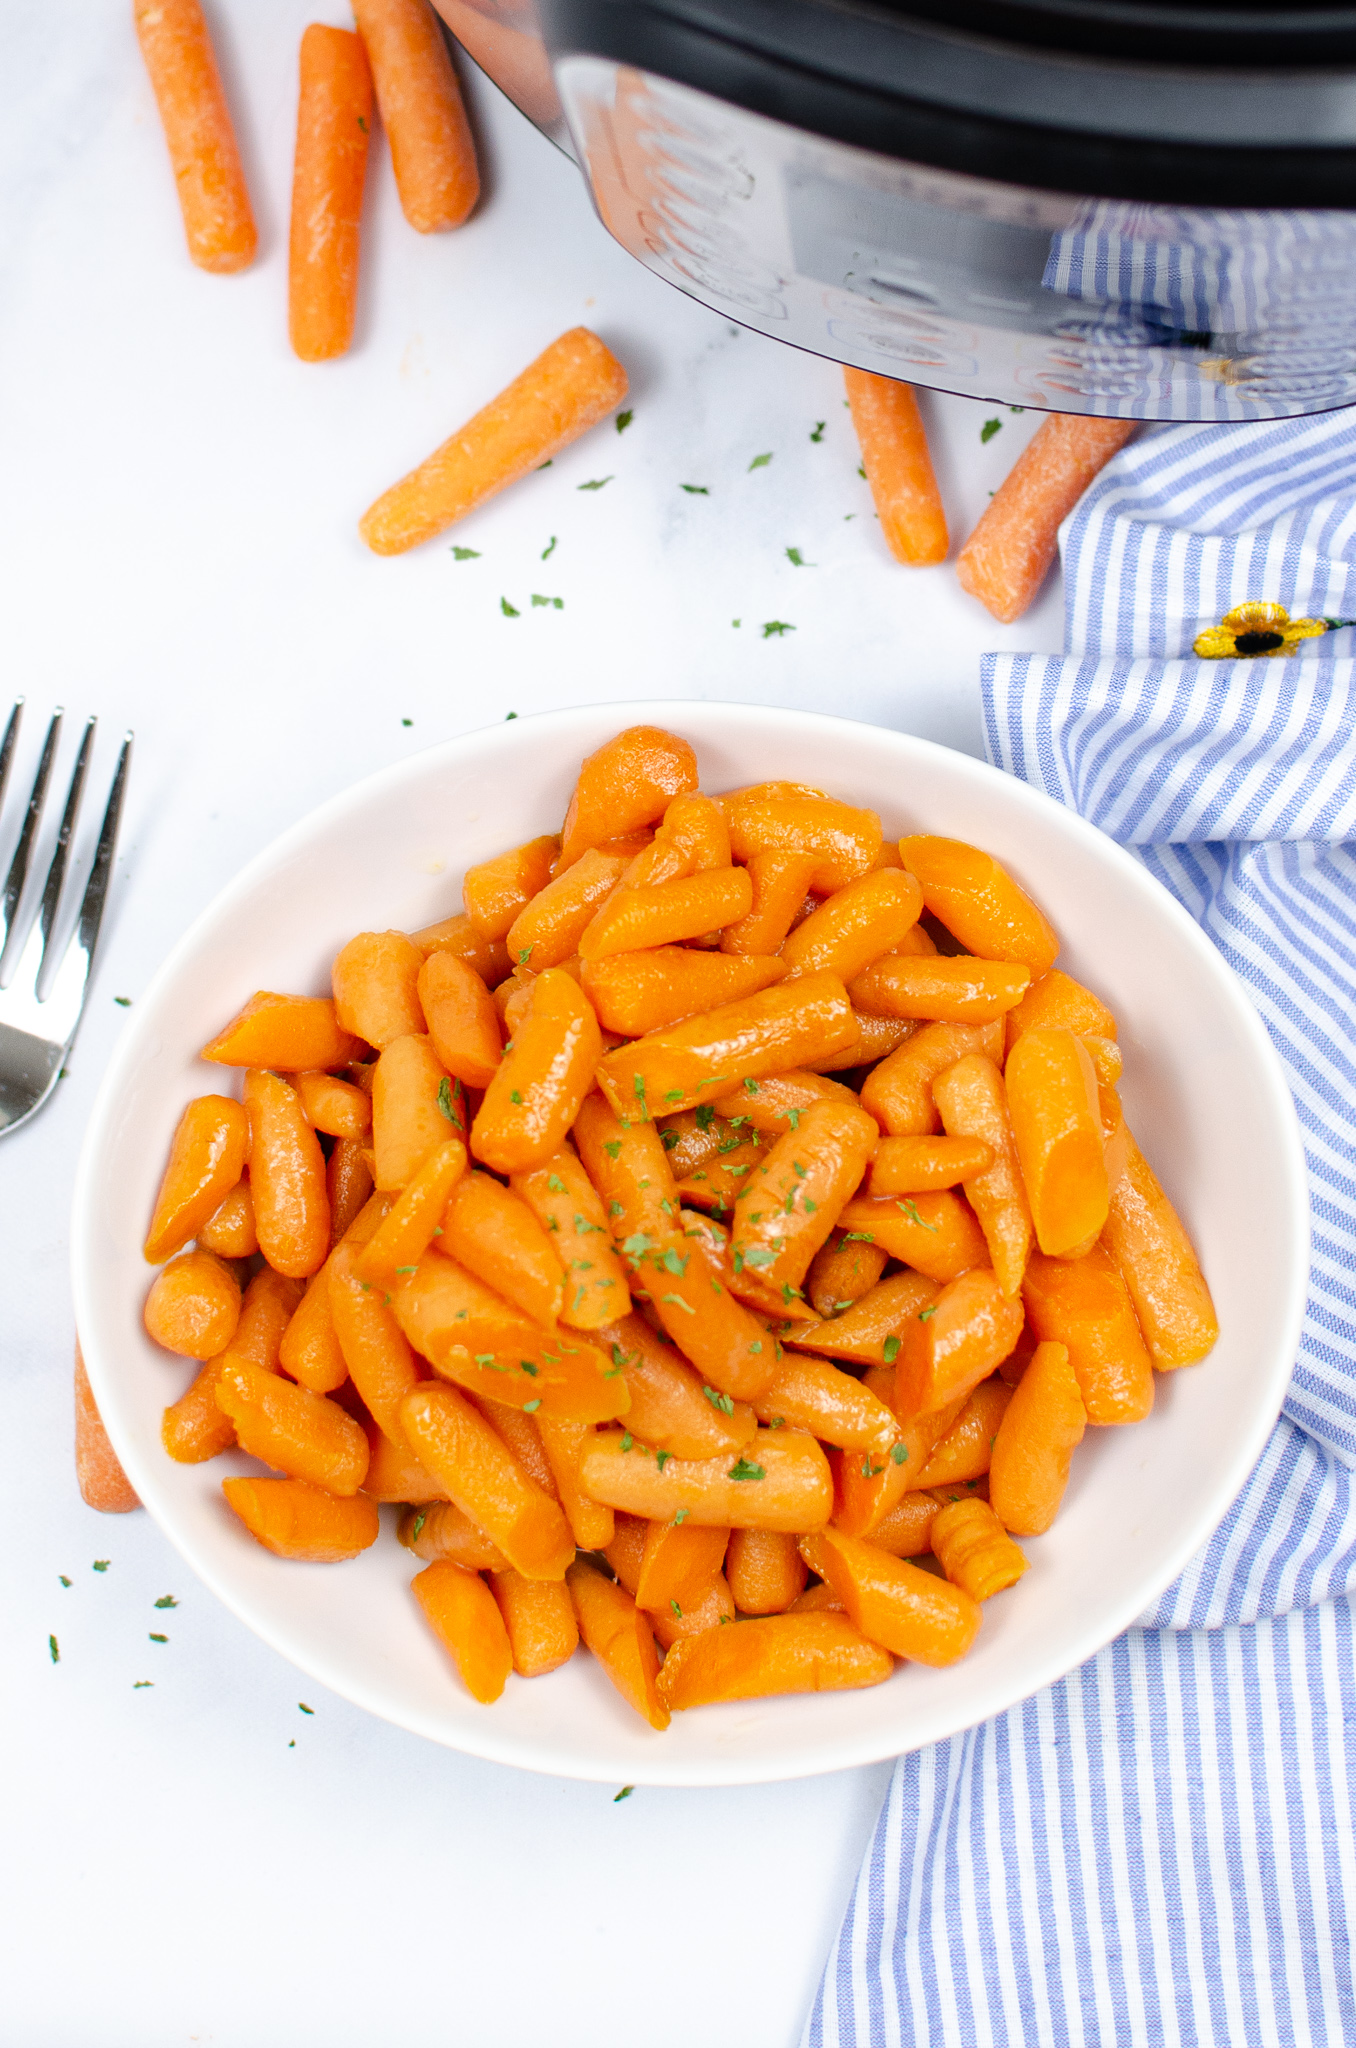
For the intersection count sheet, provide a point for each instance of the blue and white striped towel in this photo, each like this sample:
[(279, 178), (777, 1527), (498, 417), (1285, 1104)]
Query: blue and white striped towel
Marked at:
[(1159, 1849)]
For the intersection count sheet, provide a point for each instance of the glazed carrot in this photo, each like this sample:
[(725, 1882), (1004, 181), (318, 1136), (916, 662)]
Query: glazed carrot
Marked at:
[(1108, 1061), (780, 1480), (698, 1061), (565, 1443), (374, 1348), (463, 1023), (413, 1110), (203, 153), (479, 1472), (1056, 998), (714, 1609), (334, 124), (974, 1550), (310, 1351), (780, 883), (693, 1289), (626, 784), (193, 1427), (692, 838), (898, 467), (545, 1074), (898, 1094), (917, 1166), (817, 1599), (620, 1638), (906, 1531), (841, 1273), (935, 1234), (416, 1217), (972, 1104), (1084, 1304), (979, 902), (671, 1408), (954, 1343), (774, 1104), (868, 1331), (966, 1450), (522, 1436), (286, 1032), (266, 1313), (876, 1038), (1057, 1126), (461, 1610), (952, 989), (459, 937), (442, 1531), (846, 840), (811, 1394), (768, 1654), (629, 1167), (98, 1473), (855, 926), (207, 1158), (539, 1617), (867, 1489), (634, 919), (765, 1570), (679, 1562), (334, 1106), (568, 1207), (495, 891), (1036, 1440), (494, 1234), (292, 1429), (348, 1184), (193, 1306), (1008, 556), (892, 1602), (432, 153), (287, 1177), (375, 978), (717, 1186), (571, 386), (395, 1474), (293, 1519), (1145, 1237), (229, 1231), (627, 1548), (792, 1200), (634, 993)]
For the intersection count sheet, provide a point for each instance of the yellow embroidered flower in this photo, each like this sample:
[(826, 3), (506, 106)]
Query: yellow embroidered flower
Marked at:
[(1259, 629)]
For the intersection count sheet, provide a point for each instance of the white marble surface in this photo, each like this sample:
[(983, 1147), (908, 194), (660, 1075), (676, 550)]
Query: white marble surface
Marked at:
[(178, 553)]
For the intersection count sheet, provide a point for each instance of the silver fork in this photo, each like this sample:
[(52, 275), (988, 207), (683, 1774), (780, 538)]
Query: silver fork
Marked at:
[(36, 1033)]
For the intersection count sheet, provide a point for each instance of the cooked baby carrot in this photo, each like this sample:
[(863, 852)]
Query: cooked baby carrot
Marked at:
[(780, 1480), (416, 1217), (375, 978), (1084, 1304), (293, 1519), (935, 1234), (626, 784), (972, 1104), (620, 1638), (309, 1348), (792, 1200), (287, 1178), (1037, 1437), (375, 1350), (867, 1489), (459, 937), (395, 1474), (898, 1094), (954, 1343), (432, 153), (979, 902), (194, 1427), (441, 1530), (692, 838), (520, 1432), (917, 1166), (348, 1183), (769, 1654), (334, 1106), (334, 126), (495, 891), (714, 1609), (463, 1023), (967, 1448), (692, 1289), (286, 1032), (764, 1569), (565, 1443), (229, 1231), (494, 1234), (478, 1471), (1057, 1126), (846, 840), (671, 1408), (1146, 1238), (627, 1548), (629, 1167), (207, 1158), (875, 1038), (974, 1550), (892, 1602), (703, 1059), (461, 1610), (634, 993), (898, 467), (571, 386), (203, 153), (811, 1394), (868, 1330), (413, 1110), (952, 989), (543, 1078), (292, 1429), (98, 1472), (193, 1306), (842, 1272), (633, 919), (539, 1617), (855, 926), (568, 1207), (780, 883), (679, 1562), (717, 1186), (775, 1103), (1056, 998), (1008, 556), (906, 1531)]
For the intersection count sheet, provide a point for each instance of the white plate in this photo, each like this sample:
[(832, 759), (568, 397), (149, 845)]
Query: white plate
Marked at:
[(1203, 1090)]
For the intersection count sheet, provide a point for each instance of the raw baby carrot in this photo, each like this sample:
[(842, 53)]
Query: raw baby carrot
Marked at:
[(98, 1473), (203, 152), (461, 1610), (898, 467), (432, 153), (334, 126), (571, 386), (768, 1654), (207, 1158), (297, 1520), (1008, 556)]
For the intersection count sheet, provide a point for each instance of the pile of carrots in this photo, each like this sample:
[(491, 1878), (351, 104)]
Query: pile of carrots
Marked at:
[(725, 1209)]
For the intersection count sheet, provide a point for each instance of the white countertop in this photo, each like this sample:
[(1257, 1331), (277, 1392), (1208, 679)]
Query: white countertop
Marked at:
[(198, 1860)]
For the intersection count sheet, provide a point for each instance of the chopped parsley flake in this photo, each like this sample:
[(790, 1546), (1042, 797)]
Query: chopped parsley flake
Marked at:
[(661, 1459), (64, 1580), (465, 554), (676, 1608), (625, 1793), (818, 433), (158, 1639), (167, 1600), (445, 1103), (899, 1452), (627, 1440), (515, 1096), (743, 1468), (531, 1407), (678, 1302), (798, 561), (926, 1314), (613, 1151), (549, 549), (988, 430), (101, 1564), (775, 628), (721, 1401), (682, 1513), (53, 1650), (304, 1708), (760, 462), (891, 1350), (624, 420), (695, 490), (594, 483), (510, 611), (417, 1526), (911, 1210), (546, 603)]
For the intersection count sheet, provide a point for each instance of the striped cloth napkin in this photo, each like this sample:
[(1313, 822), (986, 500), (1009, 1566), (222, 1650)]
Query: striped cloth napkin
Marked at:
[(1159, 1849)]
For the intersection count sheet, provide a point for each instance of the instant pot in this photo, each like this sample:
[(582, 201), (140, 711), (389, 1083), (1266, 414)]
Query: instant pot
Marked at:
[(1096, 206)]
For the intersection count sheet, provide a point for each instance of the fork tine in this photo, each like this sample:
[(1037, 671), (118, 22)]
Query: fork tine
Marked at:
[(96, 888), (7, 744), (18, 867), (56, 873)]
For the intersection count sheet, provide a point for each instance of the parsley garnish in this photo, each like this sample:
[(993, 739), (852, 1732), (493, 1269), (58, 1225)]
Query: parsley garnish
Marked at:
[(158, 1639), (695, 490), (669, 1139), (140, 1684), (678, 1302), (613, 1151), (625, 1793), (445, 1103), (549, 549), (910, 1209), (515, 1097), (793, 1118), (661, 1459), (547, 602), (627, 1440), (674, 1264), (594, 484), (891, 1350), (64, 1580), (682, 1513), (721, 1401), (760, 462), (705, 1116), (926, 1314), (467, 555), (899, 1452), (555, 1184), (798, 561), (759, 1255), (818, 433), (510, 611), (167, 1600), (624, 420), (101, 1564), (777, 1422), (52, 1650), (524, 955), (858, 1237), (676, 1608), (988, 430), (531, 1407), (774, 628), (870, 1471), (123, 1002), (417, 1526), (744, 1469), (304, 1708)]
